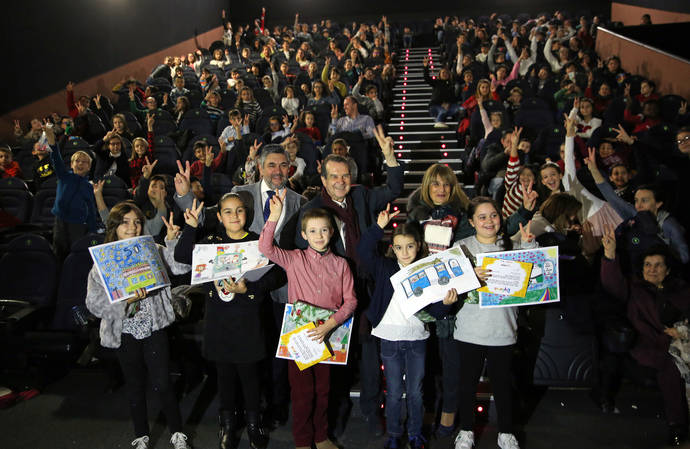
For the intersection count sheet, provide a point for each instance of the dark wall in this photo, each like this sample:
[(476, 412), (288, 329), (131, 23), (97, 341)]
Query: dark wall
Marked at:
[(664, 5), (670, 38), (347, 9), (51, 42)]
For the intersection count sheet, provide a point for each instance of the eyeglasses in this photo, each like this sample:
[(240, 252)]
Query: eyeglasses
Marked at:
[(682, 140)]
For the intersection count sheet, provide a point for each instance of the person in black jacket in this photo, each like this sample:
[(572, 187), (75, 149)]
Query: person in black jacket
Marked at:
[(443, 102), (234, 330)]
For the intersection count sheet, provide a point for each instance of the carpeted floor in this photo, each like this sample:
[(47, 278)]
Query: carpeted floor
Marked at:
[(75, 412)]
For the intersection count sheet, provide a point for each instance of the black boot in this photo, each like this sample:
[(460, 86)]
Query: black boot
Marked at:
[(227, 429), (257, 436)]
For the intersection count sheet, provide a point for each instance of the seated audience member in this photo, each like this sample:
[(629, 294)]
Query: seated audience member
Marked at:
[(42, 168), (8, 167), (658, 306), (443, 103)]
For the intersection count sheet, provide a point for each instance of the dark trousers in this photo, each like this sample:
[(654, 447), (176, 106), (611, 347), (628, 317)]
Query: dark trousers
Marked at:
[(499, 362), (152, 355), (673, 391), (450, 370), (248, 376), (309, 393), (64, 234), (369, 376), (279, 367)]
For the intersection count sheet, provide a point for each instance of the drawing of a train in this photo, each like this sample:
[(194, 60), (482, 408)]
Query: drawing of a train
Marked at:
[(439, 273)]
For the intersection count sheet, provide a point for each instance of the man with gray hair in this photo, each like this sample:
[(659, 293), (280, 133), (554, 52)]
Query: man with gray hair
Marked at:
[(273, 164)]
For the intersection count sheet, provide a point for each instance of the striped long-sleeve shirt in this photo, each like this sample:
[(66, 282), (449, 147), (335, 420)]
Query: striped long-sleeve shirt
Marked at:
[(513, 198)]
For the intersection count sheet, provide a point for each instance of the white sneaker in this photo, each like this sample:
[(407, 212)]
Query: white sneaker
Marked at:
[(507, 441), (179, 440), (464, 440), (141, 443), (440, 125)]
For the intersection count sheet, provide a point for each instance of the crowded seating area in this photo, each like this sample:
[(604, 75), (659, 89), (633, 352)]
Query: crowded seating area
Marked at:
[(349, 151)]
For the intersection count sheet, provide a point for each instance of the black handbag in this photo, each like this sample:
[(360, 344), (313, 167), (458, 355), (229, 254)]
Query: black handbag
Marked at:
[(619, 335)]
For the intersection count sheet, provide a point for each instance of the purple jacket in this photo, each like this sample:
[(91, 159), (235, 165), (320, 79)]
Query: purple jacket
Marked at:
[(651, 347)]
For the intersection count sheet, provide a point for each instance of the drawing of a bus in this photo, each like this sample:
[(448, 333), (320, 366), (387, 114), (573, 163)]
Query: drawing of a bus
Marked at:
[(439, 273)]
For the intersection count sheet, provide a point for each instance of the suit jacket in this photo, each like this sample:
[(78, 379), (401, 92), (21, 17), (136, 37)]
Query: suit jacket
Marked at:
[(367, 204), (284, 235)]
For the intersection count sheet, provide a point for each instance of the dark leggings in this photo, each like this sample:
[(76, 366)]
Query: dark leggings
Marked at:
[(471, 363), (450, 368), (248, 375), (136, 358)]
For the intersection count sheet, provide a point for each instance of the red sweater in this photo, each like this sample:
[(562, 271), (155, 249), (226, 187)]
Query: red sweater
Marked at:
[(11, 171)]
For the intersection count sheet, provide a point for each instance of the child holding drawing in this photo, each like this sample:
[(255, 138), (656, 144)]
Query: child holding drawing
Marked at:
[(403, 340), (487, 333), (136, 328), (234, 330), (318, 277)]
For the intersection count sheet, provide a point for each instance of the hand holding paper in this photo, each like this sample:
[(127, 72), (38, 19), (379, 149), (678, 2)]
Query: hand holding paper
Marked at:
[(321, 331), (508, 277)]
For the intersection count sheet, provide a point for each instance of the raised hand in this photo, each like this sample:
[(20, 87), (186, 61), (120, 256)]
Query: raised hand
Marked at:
[(608, 240), (17, 126), (245, 120), (208, 155), (385, 216), (385, 143), (590, 244), (97, 100), (286, 121), (81, 110), (276, 205), (191, 216), (425, 62), (570, 126), (147, 168), (182, 183), (623, 136), (150, 120), (576, 103), (525, 235), (334, 112), (254, 149), (529, 197), (98, 187), (70, 86), (683, 108), (173, 229), (626, 90)]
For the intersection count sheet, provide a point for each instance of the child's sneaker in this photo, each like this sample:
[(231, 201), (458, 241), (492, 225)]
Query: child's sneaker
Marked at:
[(392, 443), (417, 442), (465, 440), (141, 442), (179, 441), (507, 441)]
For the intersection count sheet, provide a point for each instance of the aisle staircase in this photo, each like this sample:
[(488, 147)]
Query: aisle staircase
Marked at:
[(417, 142)]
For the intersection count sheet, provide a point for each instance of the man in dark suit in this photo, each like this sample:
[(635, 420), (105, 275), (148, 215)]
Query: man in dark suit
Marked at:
[(354, 209), (273, 167)]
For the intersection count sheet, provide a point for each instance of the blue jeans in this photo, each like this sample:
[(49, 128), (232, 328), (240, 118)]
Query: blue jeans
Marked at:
[(441, 114), (404, 357)]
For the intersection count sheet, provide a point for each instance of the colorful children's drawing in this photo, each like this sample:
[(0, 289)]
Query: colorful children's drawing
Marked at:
[(543, 285), (428, 280), (299, 314), (303, 350), (224, 260), (127, 265)]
